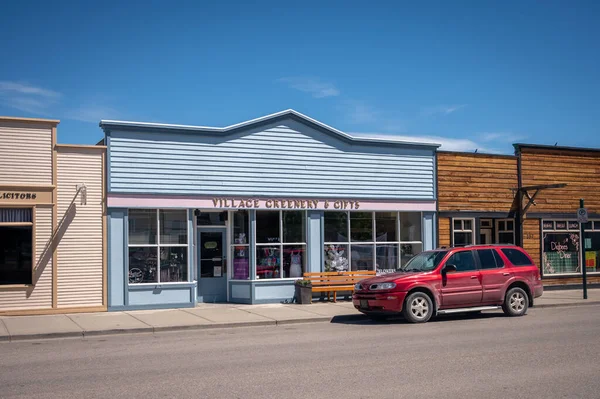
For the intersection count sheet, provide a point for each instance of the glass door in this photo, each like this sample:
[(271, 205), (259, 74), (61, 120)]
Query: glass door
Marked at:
[(212, 265)]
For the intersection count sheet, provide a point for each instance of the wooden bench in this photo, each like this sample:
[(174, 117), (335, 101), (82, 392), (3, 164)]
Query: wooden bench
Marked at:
[(336, 281)]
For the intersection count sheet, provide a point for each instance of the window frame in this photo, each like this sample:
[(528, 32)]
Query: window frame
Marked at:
[(281, 244), (373, 242), (498, 231), (497, 259), (158, 246), (34, 257), (463, 230)]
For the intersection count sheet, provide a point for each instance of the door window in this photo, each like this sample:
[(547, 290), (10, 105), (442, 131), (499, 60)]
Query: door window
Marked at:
[(463, 261), (489, 259), (211, 255)]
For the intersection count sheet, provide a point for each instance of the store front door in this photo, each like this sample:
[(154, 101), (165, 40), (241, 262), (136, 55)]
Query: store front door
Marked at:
[(212, 265)]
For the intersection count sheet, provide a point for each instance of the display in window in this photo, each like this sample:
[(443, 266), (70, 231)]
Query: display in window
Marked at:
[(241, 263), (293, 261), (362, 257), (386, 258), (143, 265), (173, 264), (336, 259), (561, 253), (408, 251), (410, 226), (268, 262), (592, 251)]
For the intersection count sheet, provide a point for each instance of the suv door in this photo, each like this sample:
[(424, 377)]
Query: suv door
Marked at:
[(461, 288), (494, 275)]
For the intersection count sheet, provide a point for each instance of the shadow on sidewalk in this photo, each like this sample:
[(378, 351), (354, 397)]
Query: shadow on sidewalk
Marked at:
[(360, 319)]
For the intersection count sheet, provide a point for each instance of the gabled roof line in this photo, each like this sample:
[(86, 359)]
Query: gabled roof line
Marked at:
[(108, 125)]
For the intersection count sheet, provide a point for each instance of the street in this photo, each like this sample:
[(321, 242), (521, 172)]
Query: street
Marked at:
[(549, 353)]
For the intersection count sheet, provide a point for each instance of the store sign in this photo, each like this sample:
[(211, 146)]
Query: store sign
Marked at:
[(18, 196), (283, 204), (25, 197)]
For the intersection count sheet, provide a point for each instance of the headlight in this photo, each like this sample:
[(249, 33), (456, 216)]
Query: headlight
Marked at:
[(383, 286), (357, 287)]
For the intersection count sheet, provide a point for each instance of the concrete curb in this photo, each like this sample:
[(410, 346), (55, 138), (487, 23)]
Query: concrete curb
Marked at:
[(275, 323)]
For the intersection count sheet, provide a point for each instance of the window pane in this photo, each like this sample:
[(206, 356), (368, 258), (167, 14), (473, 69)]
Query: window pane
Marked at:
[(362, 257), (517, 257), (386, 226), (361, 226), (211, 219), (573, 225), (143, 265), (294, 229), (386, 258), (241, 262), (468, 224), (486, 256), (510, 225), (336, 226), (462, 239), (499, 261), (142, 226), (457, 224), (506, 238), (15, 255), (409, 251), (15, 215), (592, 251), (463, 261), (548, 225), (501, 225), (588, 225), (561, 253), (336, 258), (561, 225), (173, 226), (173, 264), (268, 260), (410, 226), (294, 260), (596, 225), (240, 227), (267, 227)]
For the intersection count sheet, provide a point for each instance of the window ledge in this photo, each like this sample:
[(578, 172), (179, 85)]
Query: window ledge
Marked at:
[(16, 286)]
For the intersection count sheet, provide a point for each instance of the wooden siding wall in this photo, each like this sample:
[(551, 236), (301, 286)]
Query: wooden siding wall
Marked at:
[(476, 182), (444, 232), (287, 159), (579, 170), (531, 239), (80, 252), (25, 153), (38, 296)]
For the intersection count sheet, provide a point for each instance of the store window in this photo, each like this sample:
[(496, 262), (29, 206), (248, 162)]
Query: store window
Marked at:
[(591, 245), (505, 231), (240, 246), (158, 246), (280, 244), (462, 232), (16, 246), (561, 240), (381, 241)]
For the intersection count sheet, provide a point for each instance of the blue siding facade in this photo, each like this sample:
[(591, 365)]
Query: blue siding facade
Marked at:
[(286, 159)]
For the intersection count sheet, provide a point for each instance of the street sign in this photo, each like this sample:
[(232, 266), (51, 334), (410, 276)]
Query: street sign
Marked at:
[(582, 215)]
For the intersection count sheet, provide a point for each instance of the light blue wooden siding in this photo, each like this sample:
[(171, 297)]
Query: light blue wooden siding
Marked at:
[(288, 159), (116, 258)]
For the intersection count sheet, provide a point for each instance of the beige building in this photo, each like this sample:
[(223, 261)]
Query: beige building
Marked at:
[(52, 221)]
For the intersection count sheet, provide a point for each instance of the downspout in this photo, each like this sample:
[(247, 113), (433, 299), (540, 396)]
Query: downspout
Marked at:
[(519, 215)]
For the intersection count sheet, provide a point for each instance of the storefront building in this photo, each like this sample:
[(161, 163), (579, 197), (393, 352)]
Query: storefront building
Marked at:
[(559, 177), (51, 221), (237, 214)]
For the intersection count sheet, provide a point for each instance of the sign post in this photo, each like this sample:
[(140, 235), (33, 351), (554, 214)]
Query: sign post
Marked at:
[(582, 217)]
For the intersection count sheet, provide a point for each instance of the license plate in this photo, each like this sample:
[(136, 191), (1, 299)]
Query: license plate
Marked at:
[(364, 304)]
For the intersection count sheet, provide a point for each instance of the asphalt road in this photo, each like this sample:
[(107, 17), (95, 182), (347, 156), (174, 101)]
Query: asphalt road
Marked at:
[(550, 353)]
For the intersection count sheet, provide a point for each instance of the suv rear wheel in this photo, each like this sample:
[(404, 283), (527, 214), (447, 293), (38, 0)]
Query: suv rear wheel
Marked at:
[(516, 302), (418, 308)]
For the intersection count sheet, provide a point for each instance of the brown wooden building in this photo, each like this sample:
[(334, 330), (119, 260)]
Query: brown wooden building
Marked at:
[(529, 199)]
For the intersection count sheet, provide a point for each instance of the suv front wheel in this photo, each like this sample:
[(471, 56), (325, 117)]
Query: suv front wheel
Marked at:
[(516, 302), (418, 308)]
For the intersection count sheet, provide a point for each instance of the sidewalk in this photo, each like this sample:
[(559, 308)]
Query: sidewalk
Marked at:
[(80, 325)]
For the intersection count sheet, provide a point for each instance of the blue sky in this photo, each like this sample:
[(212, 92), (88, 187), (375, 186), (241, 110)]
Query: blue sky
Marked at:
[(468, 74)]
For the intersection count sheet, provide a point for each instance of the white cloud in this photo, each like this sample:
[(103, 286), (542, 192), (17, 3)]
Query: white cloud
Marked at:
[(92, 113), (26, 97), (359, 112), (442, 109), (506, 137), (447, 144), (313, 86)]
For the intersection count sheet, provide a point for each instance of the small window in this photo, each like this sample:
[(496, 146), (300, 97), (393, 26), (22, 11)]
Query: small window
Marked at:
[(548, 225), (517, 257), (488, 259), (561, 225), (462, 234), (573, 225), (463, 261)]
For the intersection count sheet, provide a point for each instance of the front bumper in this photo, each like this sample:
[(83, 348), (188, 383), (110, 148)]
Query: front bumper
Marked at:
[(390, 302)]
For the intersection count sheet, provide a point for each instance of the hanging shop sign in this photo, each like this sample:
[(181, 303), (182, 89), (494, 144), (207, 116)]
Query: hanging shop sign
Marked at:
[(283, 204)]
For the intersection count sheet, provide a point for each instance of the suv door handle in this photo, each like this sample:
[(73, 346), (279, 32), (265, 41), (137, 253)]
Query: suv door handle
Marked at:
[(506, 274), (473, 277)]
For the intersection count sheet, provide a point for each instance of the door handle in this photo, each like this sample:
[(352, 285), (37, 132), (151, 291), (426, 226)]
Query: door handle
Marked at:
[(506, 274), (473, 277)]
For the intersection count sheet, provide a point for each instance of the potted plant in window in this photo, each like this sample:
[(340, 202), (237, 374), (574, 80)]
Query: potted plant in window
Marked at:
[(303, 292)]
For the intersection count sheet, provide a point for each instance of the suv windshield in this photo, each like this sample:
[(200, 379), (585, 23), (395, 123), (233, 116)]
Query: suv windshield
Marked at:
[(424, 262)]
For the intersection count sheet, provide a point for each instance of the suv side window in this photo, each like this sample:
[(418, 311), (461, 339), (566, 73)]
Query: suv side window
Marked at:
[(516, 257), (463, 261), (489, 259)]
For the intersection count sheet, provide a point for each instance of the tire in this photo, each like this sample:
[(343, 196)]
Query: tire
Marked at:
[(516, 302), (418, 308), (377, 317)]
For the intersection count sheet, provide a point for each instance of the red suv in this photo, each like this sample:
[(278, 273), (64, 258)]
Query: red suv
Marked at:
[(453, 280)]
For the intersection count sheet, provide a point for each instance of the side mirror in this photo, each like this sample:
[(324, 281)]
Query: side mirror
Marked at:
[(448, 269)]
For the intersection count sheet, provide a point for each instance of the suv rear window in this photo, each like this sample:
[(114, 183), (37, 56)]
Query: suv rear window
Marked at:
[(516, 257), (489, 259)]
